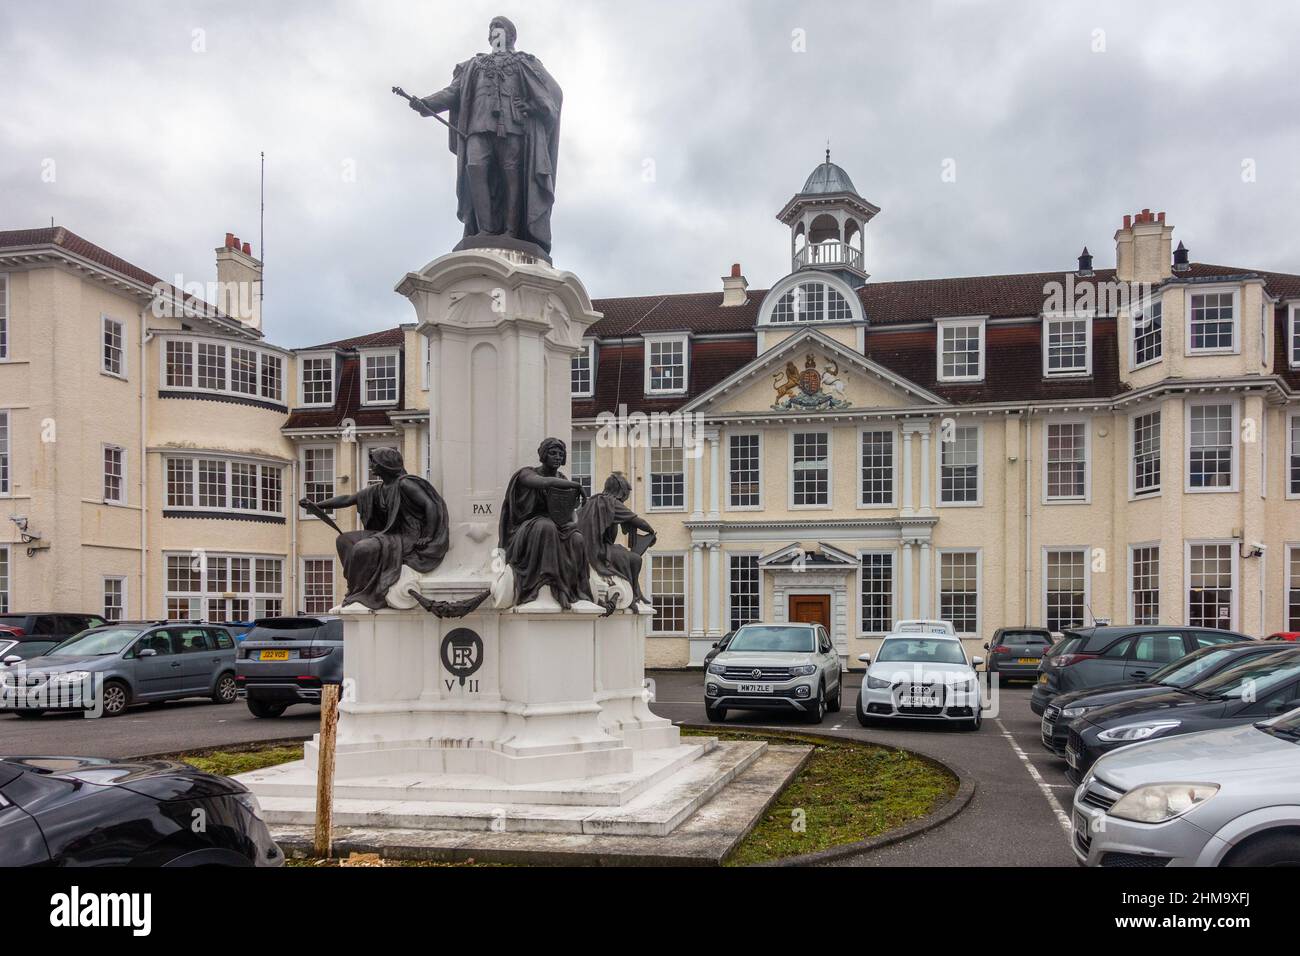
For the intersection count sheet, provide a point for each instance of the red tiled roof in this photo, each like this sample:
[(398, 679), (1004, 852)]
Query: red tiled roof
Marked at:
[(65, 238), (347, 397), (387, 338)]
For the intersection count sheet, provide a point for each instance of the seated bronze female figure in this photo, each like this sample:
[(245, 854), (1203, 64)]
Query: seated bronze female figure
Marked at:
[(537, 533), (404, 522)]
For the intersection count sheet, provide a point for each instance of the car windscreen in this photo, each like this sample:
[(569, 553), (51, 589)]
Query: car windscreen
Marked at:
[(1187, 670), (109, 640), (29, 649), (796, 640), (1254, 676), (1287, 726), (920, 650)]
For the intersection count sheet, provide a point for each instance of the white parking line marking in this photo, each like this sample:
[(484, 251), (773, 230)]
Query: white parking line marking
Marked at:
[(1044, 787)]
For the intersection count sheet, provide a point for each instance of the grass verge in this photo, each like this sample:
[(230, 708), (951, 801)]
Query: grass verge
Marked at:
[(846, 793)]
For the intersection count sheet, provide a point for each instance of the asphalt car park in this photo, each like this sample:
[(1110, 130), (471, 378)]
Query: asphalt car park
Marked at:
[(1019, 815)]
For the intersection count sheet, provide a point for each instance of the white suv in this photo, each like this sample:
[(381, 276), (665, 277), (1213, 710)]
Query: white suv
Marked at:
[(790, 667), (925, 676)]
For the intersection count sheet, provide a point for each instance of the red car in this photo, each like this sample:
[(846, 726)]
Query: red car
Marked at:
[(1284, 636)]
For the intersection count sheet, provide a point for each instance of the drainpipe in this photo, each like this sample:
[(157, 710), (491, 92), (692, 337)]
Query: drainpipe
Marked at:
[(1027, 442), (145, 338)]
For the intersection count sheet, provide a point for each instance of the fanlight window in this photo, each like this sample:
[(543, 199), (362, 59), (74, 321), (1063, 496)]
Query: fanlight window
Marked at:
[(812, 302)]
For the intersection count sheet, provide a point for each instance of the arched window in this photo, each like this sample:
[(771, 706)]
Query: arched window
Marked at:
[(811, 301)]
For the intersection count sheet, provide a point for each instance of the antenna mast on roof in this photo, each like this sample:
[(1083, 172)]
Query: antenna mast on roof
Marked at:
[(261, 231)]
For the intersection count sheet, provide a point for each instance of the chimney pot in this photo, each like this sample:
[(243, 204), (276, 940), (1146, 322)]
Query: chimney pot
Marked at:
[(248, 248), (230, 239), (1160, 217), (1128, 222), (735, 270)]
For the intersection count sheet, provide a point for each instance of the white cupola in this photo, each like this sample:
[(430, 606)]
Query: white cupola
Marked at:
[(827, 219)]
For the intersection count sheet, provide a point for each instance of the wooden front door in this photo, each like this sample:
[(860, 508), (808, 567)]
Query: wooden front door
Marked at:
[(811, 609)]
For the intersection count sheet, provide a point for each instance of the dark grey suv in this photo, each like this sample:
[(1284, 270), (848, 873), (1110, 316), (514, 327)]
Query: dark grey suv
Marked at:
[(287, 660), (1111, 654)]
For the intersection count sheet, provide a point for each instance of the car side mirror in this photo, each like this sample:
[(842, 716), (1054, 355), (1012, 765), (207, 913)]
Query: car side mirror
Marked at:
[(976, 661), (715, 643), (986, 645), (146, 652), (865, 658), (13, 659)]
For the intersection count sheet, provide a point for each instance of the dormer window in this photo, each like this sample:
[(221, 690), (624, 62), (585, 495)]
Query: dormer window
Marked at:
[(316, 379), (960, 350), (1067, 345), (582, 371), (666, 364), (1212, 321), (380, 377)]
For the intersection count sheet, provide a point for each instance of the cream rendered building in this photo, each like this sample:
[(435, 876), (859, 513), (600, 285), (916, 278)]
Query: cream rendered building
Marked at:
[(1044, 448)]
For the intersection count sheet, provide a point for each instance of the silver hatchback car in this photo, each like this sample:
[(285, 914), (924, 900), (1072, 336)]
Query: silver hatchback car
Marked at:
[(103, 670), (1227, 797), (788, 667)]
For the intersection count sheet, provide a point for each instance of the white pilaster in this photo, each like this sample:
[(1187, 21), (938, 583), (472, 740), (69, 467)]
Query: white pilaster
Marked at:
[(715, 470), (907, 470), (715, 587), (925, 471), (697, 590), (927, 602), (697, 491), (909, 609)]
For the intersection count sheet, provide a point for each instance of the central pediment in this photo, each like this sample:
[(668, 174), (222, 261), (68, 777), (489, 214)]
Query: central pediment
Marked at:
[(811, 373)]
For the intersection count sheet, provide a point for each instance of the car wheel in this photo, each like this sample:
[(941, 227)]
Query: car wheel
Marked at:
[(837, 701), (114, 699), (716, 715), (863, 719), (1282, 849), (226, 690), (260, 708), (976, 723), (817, 713), (29, 713)]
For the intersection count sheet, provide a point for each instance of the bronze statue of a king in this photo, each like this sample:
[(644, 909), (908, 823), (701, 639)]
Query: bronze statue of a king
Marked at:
[(504, 126)]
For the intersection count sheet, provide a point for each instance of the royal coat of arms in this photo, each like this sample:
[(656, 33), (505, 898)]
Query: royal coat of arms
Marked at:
[(809, 389)]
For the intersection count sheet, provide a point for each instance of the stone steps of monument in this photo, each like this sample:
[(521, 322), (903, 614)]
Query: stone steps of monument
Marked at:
[(656, 810), (649, 769)]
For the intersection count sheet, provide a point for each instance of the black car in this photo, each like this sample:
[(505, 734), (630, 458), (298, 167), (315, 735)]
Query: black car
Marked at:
[(24, 636), (719, 646), (1095, 656), (1015, 652), (88, 811), (1256, 689), (1196, 666)]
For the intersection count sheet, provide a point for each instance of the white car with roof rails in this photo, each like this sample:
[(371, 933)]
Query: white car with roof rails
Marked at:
[(786, 667), (919, 675), (924, 625)]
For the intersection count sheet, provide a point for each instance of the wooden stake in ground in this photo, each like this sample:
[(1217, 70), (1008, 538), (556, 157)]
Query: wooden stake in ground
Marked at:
[(329, 722)]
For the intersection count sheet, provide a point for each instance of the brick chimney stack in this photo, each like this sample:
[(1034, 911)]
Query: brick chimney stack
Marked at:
[(734, 288), (1143, 248), (239, 280)]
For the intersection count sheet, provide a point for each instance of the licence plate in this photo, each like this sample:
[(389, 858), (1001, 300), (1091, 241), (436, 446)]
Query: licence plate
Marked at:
[(1042, 678), (1072, 758), (757, 688), (1026, 660), (1046, 729), (917, 702), (274, 656)]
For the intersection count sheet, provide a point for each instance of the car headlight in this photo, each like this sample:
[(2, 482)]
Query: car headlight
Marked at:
[(249, 803), (803, 670), (1158, 802), (1070, 713), (70, 677), (717, 669), (1129, 733), (875, 683)]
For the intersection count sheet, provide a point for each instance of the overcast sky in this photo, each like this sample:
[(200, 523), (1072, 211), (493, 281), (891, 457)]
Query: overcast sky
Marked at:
[(687, 124)]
